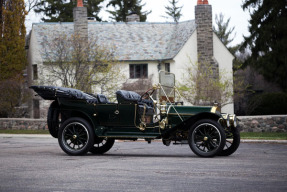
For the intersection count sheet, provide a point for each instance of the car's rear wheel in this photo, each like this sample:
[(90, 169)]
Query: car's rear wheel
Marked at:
[(232, 142), (102, 145), (206, 138), (76, 136)]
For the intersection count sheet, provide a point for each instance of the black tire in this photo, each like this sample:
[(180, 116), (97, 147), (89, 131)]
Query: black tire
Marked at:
[(232, 142), (206, 138), (76, 136), (102, 145), (53, 119)]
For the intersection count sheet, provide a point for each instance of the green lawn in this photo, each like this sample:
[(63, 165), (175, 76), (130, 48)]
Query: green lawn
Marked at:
[(265, 136)]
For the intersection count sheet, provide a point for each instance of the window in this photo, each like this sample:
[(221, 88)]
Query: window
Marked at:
[(167, 67), (35, 72), (138, 71)]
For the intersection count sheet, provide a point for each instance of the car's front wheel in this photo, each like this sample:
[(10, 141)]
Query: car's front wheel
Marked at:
[(76, 136), (206, 138), (232, 142)]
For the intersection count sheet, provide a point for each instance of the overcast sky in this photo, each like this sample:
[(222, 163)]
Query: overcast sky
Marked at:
[(229, 8)]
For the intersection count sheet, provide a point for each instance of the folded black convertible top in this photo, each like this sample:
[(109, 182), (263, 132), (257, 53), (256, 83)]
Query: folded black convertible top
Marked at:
[(53, 92)]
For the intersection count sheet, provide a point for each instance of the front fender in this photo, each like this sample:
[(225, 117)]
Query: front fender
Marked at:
[(199, 116), (186, 124)]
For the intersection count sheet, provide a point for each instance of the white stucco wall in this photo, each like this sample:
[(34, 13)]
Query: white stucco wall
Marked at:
[(224, 59), (34, 53), (34, 57), (186, 56)]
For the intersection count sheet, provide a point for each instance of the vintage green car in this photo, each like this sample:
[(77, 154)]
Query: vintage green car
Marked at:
[(85, 122)]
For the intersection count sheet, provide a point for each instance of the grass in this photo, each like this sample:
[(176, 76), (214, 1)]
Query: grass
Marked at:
[(264, 136), (244, 135)]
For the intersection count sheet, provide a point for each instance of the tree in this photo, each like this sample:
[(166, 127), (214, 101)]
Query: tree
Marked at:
[(125, 7), (222, 29), (139, 86), (71, 63), (12, 38), (200, 89), (2, 3), (224, 33), (13, 95), (173, 11), (268, 40), (62, 10), (31, 4), (12, 55)]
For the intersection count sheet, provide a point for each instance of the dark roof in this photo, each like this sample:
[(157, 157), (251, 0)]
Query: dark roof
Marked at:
[(133, 41)]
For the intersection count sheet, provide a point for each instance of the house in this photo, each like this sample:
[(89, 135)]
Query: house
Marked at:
[(143, 48)]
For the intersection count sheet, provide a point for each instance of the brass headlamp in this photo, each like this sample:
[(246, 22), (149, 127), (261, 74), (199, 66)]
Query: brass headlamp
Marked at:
[(233, 120), (226, 117)]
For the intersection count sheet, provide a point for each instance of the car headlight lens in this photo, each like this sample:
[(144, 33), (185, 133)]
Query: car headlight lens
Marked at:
[(227, 119), (233, 120)]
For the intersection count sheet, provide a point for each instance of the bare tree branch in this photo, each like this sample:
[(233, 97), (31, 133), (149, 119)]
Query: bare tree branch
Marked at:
[(30, 4), (86, 66)]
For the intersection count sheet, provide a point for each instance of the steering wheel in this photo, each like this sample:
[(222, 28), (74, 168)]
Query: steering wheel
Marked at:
[(147, 94)]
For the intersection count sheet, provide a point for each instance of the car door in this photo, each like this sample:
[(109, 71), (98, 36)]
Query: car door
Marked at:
[(127, 114), (107, 114)]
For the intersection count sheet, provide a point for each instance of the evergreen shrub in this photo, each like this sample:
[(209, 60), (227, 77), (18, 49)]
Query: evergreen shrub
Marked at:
[(268, 104)]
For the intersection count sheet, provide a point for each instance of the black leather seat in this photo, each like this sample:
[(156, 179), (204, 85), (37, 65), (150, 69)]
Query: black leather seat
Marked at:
[(129, 97), (102, 98), (98, 99)]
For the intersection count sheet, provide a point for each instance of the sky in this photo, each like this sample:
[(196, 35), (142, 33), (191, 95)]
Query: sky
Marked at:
[(229, 8)]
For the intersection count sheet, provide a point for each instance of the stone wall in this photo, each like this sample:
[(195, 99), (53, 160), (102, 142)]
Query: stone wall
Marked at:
[(23, 124), (268, 123)]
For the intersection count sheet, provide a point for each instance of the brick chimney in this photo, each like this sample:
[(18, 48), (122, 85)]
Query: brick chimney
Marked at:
[(80, 3), (80, 20), (202, 2), (203, 20)]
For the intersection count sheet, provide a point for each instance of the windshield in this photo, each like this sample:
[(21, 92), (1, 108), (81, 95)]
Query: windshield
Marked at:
[(167, 81)]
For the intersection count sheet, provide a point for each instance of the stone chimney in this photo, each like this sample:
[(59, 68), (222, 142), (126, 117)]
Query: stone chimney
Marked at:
[(133, 17), (203, 20), (80, 14)]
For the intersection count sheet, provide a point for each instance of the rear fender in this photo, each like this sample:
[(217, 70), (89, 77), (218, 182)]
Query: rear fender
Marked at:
[(75, 113)]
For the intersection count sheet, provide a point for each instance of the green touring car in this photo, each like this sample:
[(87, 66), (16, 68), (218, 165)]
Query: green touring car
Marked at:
[(85, 122)]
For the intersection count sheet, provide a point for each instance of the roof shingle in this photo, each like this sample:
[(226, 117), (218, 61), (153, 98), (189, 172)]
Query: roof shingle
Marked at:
[(133, 41)]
